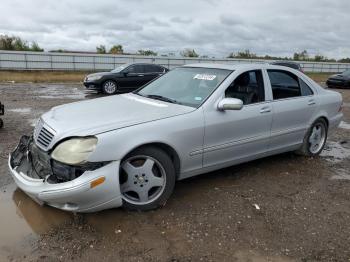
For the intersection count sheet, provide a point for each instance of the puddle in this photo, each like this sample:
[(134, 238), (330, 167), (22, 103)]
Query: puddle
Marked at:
[(342, 174), (336, 152), (22, 220), (344, 125), (60, 92), (25, 110)]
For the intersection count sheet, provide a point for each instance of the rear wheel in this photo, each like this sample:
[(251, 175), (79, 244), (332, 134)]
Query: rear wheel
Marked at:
[(147, 179), (315, 139), (109, 87)]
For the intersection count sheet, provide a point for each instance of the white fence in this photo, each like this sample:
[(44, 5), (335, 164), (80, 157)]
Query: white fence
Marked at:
[(13, 60)]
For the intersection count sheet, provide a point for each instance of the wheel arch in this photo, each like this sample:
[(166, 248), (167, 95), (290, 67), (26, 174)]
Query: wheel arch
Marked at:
[(108, 79), (174, 156), (322, 117)]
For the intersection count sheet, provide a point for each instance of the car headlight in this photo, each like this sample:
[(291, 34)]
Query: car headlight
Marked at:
[(74, 151), (93, 78)]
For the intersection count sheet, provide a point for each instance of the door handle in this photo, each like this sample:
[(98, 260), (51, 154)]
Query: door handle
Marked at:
[(140, 75), (265, 109), (311, 102)]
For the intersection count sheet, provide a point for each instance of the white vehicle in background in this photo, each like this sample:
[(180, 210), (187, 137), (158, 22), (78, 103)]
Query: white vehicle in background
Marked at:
[(128, 150)]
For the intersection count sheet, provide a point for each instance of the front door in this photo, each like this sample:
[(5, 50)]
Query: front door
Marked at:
[(239, 135), (134, 77)]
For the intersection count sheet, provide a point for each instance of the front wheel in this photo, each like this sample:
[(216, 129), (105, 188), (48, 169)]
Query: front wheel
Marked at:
[(147, 179), (315, 139), (109, 87)]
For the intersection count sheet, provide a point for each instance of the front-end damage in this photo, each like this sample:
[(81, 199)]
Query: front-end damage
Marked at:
[(81, 188)]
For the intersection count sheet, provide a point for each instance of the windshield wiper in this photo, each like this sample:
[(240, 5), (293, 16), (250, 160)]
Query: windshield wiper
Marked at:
[(163, 98)]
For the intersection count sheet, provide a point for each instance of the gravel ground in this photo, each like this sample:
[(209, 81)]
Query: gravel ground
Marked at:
[(280, 208)]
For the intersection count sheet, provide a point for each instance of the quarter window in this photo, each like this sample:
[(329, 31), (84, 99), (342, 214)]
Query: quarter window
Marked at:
[(305, 89), (284, 84)]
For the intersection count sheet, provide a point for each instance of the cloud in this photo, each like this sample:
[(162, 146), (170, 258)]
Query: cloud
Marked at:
[(213, 28), (181, 20)]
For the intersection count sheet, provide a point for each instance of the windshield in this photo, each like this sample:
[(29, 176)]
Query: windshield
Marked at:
[(119, 68), (185, 85)]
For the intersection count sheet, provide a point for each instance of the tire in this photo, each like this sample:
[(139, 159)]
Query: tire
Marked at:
[(307, 149), (1, 123), (147, 179), (109, 87)]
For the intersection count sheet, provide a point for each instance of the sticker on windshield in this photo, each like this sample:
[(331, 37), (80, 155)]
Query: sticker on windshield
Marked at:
[(198, 98), (204, 77)]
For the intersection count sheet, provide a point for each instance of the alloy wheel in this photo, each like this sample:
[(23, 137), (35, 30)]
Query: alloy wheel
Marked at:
[(110, 87), (143, 180), (317, 138)]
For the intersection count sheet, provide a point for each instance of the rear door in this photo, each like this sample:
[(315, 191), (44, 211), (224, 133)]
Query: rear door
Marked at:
[(293, 105), (152, 71)]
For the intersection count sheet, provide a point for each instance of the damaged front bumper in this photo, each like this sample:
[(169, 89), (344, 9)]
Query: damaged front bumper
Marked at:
[(31, 171)]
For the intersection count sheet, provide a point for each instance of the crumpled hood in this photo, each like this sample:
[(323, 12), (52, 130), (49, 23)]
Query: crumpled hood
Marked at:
[(100, 115)]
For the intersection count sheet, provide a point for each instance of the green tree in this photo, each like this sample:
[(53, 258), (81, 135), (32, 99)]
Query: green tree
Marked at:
[(344, 60), (246, 54), (189, 53), (147, 52), (6, 42), (302, 56), (36, 48), (116, 49), (15, 43), (101, 49)]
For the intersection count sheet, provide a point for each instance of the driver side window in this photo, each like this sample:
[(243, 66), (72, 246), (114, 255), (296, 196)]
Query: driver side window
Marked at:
[(248, 87)]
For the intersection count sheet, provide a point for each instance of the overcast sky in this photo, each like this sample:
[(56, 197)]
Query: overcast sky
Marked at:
[(211, 27)]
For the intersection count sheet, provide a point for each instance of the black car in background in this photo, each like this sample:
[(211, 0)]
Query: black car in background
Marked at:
[(339, 80), (2, 111), (126, 77), (288, 64)]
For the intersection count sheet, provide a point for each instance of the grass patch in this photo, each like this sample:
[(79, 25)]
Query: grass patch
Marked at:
[(42, 76), (78, 76), (319, 77)]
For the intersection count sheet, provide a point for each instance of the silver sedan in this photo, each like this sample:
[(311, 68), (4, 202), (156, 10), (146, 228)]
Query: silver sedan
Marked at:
[(128, 150)]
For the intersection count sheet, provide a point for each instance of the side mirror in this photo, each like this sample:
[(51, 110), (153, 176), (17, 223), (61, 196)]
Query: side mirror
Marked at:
[(230, 104), (125, 73)]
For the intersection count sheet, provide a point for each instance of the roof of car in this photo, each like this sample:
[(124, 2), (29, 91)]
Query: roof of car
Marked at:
[(284, 62), (237, 66), (140, 63)]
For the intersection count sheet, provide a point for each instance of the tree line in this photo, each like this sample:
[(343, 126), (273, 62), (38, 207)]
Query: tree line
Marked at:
[(15, 43), (297, 56)]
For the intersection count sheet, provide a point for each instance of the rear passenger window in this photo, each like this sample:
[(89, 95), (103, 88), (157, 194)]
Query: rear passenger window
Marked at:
[(135, 69), (305, 89), (154, 69), (284, 84)]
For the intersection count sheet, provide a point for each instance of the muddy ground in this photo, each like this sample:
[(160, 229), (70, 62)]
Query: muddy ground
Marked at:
[(280, 208)]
